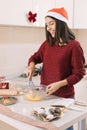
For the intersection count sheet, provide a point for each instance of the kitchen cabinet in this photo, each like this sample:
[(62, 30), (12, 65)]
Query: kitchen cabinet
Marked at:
[(80, 15), (68, 5), (41, 7), (13, 12)]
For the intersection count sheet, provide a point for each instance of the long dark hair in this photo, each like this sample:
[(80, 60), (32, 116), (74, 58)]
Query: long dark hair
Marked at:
[(62, 32)]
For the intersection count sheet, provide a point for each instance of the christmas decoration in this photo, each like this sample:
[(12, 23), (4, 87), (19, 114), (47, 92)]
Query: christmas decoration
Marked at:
[(31, 17)]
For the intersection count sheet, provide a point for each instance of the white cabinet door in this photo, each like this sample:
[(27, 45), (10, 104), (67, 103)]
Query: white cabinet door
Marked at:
[(80, 14), (13, 12), (68, 5), (41, 7)]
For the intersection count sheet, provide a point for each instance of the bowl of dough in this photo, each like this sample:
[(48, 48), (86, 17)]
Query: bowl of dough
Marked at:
[(36, 93)]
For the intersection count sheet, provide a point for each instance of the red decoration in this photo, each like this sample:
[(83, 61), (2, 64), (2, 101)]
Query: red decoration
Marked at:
[(31, 17)]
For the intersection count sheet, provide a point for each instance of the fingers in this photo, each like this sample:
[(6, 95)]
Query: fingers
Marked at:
[(29, 72), (49, 90), (53, 87), (30, 69)]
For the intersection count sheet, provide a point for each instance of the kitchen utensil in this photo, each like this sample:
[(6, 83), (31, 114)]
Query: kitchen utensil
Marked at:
[(31, 84), (31, 90), (35, 93)]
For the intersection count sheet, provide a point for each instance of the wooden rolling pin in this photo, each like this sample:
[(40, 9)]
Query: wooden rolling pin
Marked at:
[(8, 92)]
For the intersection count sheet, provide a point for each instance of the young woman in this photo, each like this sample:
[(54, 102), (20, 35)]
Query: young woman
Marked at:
[(62, 56)]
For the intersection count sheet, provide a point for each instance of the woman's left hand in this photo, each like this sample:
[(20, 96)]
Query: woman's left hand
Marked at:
[(51, 88)]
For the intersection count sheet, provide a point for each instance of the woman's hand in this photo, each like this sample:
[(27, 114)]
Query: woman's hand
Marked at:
[(30, 69), (53, 87)]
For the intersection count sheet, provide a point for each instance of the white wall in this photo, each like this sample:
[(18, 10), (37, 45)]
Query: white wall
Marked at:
[(14, 57), (82, 37), (81, 90), (81, 87), (16, 46)]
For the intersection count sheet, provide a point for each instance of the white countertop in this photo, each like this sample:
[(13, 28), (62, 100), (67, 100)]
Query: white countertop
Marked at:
[(24, 107)]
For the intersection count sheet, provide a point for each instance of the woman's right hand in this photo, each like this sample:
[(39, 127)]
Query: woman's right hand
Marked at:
[(30, 69)]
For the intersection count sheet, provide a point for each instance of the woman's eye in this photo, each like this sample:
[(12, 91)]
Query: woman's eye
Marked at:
[(51, 23)]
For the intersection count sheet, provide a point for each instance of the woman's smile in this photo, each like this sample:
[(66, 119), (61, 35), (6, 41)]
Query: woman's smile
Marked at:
[(50, 24)]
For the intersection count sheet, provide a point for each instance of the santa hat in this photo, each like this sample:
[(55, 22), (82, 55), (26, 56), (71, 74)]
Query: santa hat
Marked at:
[(58, 13)]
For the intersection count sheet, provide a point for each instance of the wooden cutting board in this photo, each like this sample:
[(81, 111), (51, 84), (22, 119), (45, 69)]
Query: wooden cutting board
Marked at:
[(5, 126)]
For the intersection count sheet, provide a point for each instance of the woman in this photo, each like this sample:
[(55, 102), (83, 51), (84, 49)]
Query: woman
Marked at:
[(61, 55)]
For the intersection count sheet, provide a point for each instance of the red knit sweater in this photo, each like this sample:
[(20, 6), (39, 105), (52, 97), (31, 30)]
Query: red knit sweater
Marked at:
[(61, 62)]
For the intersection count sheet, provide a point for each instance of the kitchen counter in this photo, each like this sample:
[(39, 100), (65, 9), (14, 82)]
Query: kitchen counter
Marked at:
[(25, 107)]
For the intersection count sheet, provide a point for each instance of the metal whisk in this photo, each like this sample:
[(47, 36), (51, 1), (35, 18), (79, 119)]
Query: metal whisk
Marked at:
[(31, 84)]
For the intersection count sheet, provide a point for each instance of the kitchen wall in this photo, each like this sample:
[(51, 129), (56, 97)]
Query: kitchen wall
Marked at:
[(16, 46), (82, 37)]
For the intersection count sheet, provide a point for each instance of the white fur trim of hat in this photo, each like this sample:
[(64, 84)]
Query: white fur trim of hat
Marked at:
[(58, 13)]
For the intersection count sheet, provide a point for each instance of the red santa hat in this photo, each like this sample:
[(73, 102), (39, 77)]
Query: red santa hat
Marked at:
[(58, 13)]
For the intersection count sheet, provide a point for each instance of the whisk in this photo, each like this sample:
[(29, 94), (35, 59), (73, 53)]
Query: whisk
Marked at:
[(31, 83), (32, 88)]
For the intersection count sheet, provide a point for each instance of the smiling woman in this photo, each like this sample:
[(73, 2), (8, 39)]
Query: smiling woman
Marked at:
[(50, 25), (61, 66)]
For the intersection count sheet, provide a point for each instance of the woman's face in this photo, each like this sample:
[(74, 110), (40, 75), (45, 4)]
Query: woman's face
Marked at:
[(50, 25)]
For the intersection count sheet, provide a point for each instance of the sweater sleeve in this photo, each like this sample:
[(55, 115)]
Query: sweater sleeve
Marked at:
[(77, 62), (37, 57)]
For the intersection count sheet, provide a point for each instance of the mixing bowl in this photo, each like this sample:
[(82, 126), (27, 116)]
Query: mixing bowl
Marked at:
[(35, 94)]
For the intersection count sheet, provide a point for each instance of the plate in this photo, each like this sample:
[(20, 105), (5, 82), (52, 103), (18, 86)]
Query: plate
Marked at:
[(8, 100), (48, 113)]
